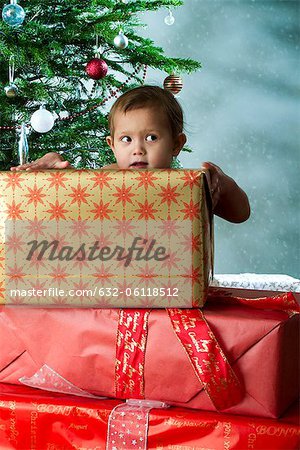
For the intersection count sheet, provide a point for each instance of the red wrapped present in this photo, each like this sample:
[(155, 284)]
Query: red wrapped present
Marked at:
[(253, 285), (231, 358), (31, 419)]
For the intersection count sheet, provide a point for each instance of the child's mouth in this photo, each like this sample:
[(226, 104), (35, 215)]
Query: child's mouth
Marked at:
[(139, 164)]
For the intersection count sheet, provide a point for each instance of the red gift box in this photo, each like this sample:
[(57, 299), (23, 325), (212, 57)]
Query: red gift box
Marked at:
[(31, 419), (75, 350)]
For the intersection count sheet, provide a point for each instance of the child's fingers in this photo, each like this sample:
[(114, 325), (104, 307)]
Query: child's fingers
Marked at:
[(44, 165), (209, 166), (21, 167), (61, 164), (34, 165), (41, 165), (215, 181), (215, 192)]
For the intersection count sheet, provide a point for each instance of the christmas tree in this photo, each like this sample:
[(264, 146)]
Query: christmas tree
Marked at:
[(72, 57)]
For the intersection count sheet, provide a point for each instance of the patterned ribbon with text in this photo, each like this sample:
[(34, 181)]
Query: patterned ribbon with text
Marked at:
[(207, 358), (130, 353)]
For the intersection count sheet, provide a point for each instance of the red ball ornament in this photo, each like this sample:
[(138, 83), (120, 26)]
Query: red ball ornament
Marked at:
[(96, 68), (173, 83)]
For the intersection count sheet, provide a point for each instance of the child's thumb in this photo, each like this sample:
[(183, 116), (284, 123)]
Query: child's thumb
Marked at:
[(61, 164)]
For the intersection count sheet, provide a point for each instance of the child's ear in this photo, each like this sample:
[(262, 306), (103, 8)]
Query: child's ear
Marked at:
[(110, 142), (179, 143)]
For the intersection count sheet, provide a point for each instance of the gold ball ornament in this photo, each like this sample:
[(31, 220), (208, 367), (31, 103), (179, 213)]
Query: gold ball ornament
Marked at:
[(11, 91), (173, 83)]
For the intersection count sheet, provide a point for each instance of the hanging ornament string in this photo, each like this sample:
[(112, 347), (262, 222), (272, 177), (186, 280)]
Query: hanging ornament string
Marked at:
[(98, 50), (112, 93), (23, 150), (96, 68), (11, 90), (11, 69)]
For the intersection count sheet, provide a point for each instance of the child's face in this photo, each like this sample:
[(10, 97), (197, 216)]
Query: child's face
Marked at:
[(143, 139)]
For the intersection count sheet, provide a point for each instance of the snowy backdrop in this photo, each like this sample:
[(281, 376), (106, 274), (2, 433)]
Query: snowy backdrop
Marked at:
[(242, 113)]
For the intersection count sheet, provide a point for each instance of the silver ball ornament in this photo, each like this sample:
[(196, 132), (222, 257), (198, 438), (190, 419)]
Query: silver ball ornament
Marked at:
[(121, 41), (169, 19), (11, 91)]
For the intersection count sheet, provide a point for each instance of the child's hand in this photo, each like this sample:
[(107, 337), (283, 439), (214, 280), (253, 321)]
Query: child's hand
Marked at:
[(217, 181), (49, 161), (229, 201)]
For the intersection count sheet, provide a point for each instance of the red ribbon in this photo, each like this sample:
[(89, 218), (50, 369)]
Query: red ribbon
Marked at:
[(283, 302), (207, 358), (205, 354), (130, 353)]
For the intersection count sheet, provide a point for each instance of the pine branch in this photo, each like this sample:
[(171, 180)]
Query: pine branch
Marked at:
[(51, 50)]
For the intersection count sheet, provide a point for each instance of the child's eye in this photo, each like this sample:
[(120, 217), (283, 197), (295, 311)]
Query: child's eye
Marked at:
[(151, 138), (126, 139)]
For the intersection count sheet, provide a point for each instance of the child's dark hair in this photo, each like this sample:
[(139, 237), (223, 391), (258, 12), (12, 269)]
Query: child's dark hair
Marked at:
[(149, 96)]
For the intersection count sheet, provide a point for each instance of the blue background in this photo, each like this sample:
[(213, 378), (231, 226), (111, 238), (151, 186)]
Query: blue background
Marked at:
[(242, 113)]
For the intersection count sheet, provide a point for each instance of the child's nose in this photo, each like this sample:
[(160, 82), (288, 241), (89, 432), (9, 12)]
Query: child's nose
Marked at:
[(139, 148)]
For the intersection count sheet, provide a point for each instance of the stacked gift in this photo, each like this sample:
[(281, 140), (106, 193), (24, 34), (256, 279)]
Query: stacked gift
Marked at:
[(74, 242), (31, 419), (105, 238)]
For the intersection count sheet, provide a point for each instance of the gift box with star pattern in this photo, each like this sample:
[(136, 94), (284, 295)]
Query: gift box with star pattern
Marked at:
[(105, 238)]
